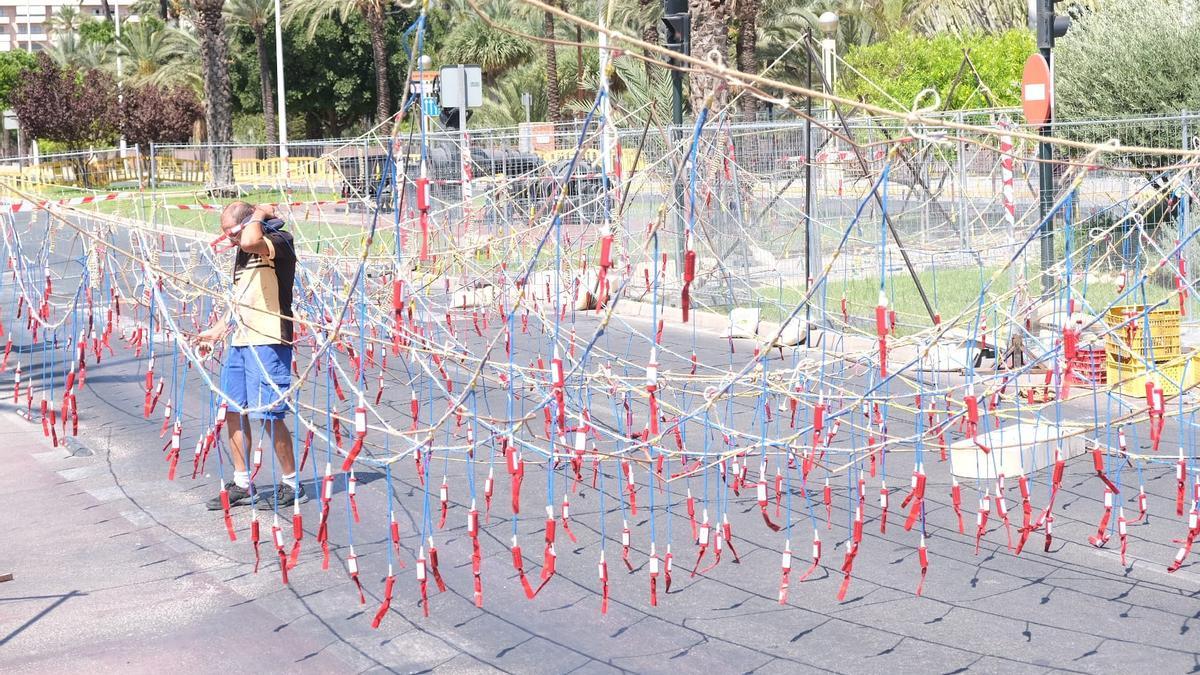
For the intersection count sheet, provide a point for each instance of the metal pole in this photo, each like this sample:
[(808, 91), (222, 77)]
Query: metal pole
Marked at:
[(676, 139), (808, 194), (466, 150), (887, 219), (677, 18), (120, 96), (281, 106), (153, 167), (962, 187), (1046, 184)]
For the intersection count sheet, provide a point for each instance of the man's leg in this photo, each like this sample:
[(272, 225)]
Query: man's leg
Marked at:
[(283, 448), (234, 383), (273, 365), (239, 444)]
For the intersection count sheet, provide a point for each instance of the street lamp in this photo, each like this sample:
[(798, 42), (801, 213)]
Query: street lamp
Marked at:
[(828, 22), (281, 98)]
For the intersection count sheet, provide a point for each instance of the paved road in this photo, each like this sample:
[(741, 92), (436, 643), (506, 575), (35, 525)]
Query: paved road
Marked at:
[(1071, 608)]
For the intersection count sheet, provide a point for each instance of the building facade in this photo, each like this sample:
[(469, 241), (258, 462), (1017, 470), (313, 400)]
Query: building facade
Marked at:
[(23, 22)]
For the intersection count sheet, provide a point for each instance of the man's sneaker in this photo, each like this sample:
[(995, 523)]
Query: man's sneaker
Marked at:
[(285, 495), (237, 497)]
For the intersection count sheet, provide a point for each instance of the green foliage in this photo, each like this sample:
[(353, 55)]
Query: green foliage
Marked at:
[(1129, 58), (329, 77), (97, 32), (893, 72), (493, 50), (13, 67)]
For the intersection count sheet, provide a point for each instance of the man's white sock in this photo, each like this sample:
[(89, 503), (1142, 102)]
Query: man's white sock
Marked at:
[(241, 479), (290, 479)]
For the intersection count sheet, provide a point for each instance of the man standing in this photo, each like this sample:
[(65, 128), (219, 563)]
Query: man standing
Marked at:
[(258, 366)]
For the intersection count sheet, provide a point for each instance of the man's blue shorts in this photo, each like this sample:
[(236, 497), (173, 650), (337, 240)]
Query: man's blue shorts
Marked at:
[(248, 376)]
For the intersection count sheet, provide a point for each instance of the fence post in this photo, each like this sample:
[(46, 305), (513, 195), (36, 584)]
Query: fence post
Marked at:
[(1184, 202), (962, 187), (153, 168)]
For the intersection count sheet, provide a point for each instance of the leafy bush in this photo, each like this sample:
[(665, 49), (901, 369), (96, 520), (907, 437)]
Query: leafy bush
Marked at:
[(905, 64), (1128, 58)]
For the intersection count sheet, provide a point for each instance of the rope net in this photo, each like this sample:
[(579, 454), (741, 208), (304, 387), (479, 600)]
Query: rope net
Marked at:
[(660, 325)]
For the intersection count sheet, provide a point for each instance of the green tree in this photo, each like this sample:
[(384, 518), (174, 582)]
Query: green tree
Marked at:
[(76, 50), (209, 19), (746, 45), (553, 92), (1129, 58), (255, 15), (14, 65), (892, 73), (326, 74), (309, 14), (66, 20), (153, 52), (73, 106), (97, 32), (494, 50)]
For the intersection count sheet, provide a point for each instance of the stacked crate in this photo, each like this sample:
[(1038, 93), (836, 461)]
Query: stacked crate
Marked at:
[(1137, 342)]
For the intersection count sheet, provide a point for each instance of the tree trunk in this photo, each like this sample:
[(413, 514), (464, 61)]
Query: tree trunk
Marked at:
[(710, 35), (747, 43), (107, 9), (214, 60), (383, 95), (268, 97), (649, 34), (553, 95), (163, 10)]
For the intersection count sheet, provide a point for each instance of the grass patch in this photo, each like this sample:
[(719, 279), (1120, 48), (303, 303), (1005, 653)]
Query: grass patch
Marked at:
[(951, 292)]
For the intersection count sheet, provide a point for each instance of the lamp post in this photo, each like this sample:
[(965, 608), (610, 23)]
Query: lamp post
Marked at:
[(828, 22), (677, 36), (281, 106)]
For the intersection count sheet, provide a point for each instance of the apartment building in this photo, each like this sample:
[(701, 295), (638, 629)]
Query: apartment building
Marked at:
[(23, 22)]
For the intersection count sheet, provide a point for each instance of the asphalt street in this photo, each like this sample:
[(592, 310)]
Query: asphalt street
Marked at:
[(1072, 607)]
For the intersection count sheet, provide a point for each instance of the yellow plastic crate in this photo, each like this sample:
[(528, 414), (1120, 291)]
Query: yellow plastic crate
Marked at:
[(1126, 342), (1164, 322), (1162, 348), (1130, 379)]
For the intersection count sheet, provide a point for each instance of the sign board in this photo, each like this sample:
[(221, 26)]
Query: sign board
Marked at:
[(453, 86), (423, 83), (429, 106), (1036, 92)]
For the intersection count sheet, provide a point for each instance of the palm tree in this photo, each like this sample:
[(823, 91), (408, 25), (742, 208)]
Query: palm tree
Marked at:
[(70, 50), (553, 96), (152, 52), (214, 58), (309, 13), (256, 14), (494, 50), (710, 36), (66, 20), (639, 17), (746, 47)]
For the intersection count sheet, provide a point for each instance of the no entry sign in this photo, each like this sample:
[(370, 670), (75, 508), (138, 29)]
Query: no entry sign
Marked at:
[(1035, 90)]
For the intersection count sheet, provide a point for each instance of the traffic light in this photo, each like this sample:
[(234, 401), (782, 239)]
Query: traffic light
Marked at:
[(1049, 24), (677, 26)]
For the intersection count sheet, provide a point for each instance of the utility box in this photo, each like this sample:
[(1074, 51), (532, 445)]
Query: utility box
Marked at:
[(1013, 450), (536, 136)]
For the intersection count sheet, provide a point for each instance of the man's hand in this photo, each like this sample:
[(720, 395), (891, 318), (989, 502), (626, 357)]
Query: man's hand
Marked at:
[(205, 341), (264, 212)]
